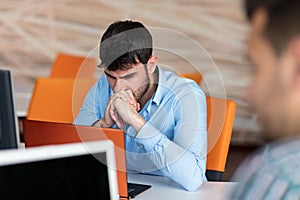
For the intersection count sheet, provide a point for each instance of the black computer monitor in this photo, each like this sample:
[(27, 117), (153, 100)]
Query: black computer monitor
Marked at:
[(8, 120)]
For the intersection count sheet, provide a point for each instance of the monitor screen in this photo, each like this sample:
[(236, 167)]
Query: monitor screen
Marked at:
[(83, 175), (8, 120)]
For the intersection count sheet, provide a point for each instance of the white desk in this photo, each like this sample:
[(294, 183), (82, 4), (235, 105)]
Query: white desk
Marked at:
[(164, 188)]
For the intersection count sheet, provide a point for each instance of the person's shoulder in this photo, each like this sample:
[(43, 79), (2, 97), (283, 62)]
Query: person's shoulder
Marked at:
[(272, 164), (292, 142), (101, 87), (273, 154), (102, 82), (102, 79), (285, 149)]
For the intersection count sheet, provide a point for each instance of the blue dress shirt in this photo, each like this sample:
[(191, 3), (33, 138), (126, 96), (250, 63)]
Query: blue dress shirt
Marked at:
[(173, 142)]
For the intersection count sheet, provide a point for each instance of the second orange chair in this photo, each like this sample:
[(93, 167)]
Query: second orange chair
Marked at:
[(71, 66)]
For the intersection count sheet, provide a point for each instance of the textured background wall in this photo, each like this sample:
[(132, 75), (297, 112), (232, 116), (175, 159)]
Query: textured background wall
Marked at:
[(32, 32)]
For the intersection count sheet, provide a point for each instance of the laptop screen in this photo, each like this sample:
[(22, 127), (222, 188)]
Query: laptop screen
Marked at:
[(83, 176)]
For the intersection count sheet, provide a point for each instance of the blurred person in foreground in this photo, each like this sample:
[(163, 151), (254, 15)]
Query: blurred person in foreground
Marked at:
[(274, 48), (163, 115)]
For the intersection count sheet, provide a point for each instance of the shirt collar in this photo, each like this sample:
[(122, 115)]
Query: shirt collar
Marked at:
[(161, 86)]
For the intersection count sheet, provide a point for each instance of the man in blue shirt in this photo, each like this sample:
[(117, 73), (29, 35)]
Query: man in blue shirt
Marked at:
[(163, 115)]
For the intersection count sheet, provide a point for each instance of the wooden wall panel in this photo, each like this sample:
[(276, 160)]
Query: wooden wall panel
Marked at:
[(32, 32)]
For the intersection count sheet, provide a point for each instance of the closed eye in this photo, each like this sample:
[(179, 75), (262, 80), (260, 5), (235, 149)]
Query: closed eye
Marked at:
[(128, 76)]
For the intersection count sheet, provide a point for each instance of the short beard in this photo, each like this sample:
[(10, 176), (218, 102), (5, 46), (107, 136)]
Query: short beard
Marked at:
[(141, 94)]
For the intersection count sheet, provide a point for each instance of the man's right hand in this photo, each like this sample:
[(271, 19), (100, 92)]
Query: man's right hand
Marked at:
[(125, 95)]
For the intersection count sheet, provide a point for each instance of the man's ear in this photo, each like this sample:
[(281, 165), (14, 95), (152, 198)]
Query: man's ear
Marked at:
[(296, 57), (151, 64)]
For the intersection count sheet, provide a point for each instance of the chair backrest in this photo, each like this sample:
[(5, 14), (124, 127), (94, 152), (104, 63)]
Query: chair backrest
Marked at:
[(71, 66), (58, 99), (196, 76), (220, 119)]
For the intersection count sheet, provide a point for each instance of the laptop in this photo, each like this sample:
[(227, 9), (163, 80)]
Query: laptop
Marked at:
[(37, 133), (66, 171)]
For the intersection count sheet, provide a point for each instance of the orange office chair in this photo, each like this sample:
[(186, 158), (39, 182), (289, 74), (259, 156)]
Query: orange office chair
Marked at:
[(58, 99), (196, 76), (220, 119), (71, 66)]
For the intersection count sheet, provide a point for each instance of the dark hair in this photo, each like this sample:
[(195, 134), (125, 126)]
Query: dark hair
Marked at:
[(283, 20), (125, 43)]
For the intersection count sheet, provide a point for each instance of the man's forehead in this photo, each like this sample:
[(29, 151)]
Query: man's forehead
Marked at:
[(131, 69)]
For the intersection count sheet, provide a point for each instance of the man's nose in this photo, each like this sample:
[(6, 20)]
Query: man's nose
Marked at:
[(119, 85)]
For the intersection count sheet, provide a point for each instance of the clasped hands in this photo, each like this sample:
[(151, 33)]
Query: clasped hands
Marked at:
[(122, 109)]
